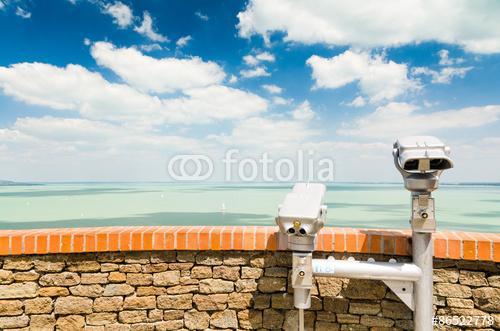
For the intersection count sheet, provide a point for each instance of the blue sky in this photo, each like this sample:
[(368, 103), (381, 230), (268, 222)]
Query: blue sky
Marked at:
[(109, 90)]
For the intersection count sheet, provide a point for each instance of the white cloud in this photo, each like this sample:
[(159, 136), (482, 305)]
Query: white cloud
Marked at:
[(272, 133), (23, 13), (2, 5), (254, 60), (201, 16), (359, 101), (303, 112), (256, 72), (121, 13), (146, 29), (87, 42), (151, 47), (470, 24), (273, 89), (88, 93), (75, 88), (444, 75), (397, 119), (445, 60), (183, 41), (378, 78), (233, 79), (213, 102), (281, 101), (156, 75)]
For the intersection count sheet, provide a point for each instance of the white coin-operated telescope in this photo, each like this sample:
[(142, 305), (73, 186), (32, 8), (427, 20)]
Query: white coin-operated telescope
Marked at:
[(420, 160)]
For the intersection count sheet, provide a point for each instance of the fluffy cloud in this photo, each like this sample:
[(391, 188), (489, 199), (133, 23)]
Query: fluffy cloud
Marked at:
[(254, 60), (201, 16), (442, 76), (121, 13), (146, 29), (273, 89), (82, 133), (446, 60), (183, 41), (156, 75), (75, 88), (23, 13), (255, 72), (395, 119), (151, 47), (378, 78), (359, 101), (267, 133), (213, 102), (303, 112), (281, 101), (470, 24)]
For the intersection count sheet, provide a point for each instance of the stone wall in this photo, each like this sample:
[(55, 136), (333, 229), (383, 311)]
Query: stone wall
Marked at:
[(172, 290)]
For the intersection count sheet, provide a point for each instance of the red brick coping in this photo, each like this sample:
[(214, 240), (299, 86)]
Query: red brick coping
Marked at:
[(447, 245)]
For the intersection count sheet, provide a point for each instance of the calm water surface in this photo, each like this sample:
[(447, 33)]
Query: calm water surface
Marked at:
[(459, 207)]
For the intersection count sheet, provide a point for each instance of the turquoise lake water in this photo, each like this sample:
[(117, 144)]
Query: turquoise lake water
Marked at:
[(459, 207)]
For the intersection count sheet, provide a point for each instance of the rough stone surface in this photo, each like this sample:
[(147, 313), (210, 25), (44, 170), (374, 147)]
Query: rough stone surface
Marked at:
[(250, 319), (272, 319), (11, 307), (18, 290), (60, 279), (472, 278), (132, 316), (6, 277), (445, 275), (272, 284), (365, 289), (210, 302), (329, 286), (364, 308), (42, 322), (108, 304), (225, 272), (254, 273), (42, 305), (70, 323), (54, 291), (11, 322), (195, 320), (92, 291), (181, 301), (216, 286), (487, 299), (117, 289), (224, 319), (201, 272), (94, 278), (168, 290), (452, 290), (73, 305), (166, 278)]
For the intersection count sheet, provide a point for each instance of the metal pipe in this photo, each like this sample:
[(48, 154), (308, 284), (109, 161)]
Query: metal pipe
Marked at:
[(423, 249), (301, 319), (366, 270)]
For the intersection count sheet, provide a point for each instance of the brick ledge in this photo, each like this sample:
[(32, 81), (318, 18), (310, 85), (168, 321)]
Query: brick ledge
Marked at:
[(447, 245)]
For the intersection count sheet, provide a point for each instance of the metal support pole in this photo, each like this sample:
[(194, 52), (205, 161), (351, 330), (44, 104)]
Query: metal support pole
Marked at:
[(423, 249)]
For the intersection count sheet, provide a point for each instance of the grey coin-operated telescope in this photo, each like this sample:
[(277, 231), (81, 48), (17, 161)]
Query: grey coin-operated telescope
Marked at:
[(302, 214), (421, 160)]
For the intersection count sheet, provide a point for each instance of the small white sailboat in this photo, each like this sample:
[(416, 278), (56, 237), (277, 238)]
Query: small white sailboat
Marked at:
[(223, 208)]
